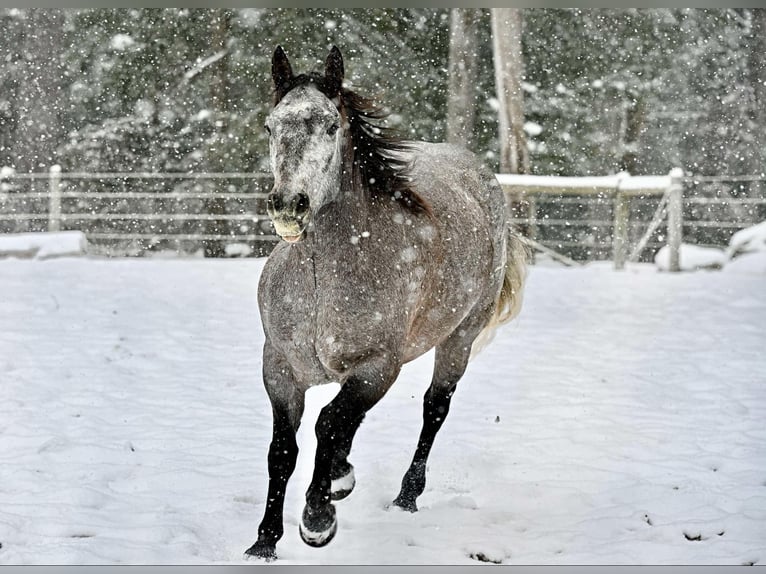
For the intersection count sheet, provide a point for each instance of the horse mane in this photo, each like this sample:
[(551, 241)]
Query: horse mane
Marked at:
[(375, 150)]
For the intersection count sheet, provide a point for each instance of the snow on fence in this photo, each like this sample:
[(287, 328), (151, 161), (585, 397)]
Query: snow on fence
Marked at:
[(648, 212), (136, 212), (142, 209), (619, 188)]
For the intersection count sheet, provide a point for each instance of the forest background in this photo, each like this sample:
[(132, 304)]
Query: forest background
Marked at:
[(187, 90)]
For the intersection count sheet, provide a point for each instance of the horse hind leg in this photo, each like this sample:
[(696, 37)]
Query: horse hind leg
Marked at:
[(451, 360)]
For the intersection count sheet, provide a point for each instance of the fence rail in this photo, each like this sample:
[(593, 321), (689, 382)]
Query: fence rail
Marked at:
[(618, 217), (646, 211), (619, 188), (136, 212)]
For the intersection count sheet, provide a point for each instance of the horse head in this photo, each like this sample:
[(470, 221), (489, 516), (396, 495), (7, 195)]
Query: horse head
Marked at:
[(305, 143)]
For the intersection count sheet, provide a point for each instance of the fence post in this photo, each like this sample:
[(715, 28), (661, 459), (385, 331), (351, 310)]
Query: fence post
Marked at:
[(620, 234), (675, 217), (532, 211), (54, 198)]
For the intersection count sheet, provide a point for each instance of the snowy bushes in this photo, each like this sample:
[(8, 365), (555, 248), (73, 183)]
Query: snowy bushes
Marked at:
[(692, 257), (749, 240), (746, 253)]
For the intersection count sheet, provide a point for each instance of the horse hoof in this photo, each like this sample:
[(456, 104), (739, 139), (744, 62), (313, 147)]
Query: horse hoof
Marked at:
[(407, 504), (341, 487), (263, 551), (318, 529)]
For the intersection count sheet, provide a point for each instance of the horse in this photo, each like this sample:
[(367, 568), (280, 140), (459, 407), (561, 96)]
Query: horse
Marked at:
[(388, 249)]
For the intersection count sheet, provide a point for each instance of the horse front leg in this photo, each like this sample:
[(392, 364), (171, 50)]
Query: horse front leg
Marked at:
[(342, 472), (287, 402), (335, 428)]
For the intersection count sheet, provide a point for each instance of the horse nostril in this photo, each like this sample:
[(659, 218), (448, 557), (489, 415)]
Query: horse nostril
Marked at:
[(274, 202), (301, 205)]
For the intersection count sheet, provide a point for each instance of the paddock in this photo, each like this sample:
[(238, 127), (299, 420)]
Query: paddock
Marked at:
[(618, 420)]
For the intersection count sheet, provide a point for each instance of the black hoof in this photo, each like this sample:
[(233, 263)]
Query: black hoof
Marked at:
[(341, 487), (406, 503), (318, 528), (263, 551)]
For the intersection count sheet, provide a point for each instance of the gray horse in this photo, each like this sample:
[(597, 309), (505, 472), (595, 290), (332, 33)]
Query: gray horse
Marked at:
[(391, 248)]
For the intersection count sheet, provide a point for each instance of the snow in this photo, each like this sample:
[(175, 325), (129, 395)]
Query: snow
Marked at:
[(618, 420), (203, 115), (607, 182), (749, 240), (238, 250), (746, 253), (692, 257), (122, 42), (533, 129), (529, 88), (43, 245), (201, 64), (749, 263)]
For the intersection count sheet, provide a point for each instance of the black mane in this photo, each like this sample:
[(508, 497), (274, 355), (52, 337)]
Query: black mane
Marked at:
[(373, 147)]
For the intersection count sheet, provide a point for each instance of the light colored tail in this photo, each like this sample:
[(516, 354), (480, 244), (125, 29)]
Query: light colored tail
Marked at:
[(508, 304)]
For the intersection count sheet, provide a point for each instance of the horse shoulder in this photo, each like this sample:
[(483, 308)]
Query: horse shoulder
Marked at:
[(286, 296)]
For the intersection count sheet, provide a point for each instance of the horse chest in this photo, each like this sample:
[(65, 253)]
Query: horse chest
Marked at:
[(320, 316), (287, 301)]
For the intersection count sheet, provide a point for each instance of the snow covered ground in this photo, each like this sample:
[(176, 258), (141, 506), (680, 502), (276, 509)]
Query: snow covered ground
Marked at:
[(619, 420), (43, 245)]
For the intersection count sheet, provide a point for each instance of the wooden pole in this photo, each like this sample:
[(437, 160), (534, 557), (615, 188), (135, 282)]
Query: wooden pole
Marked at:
[(54, 198), (620, 236), (675, 218)]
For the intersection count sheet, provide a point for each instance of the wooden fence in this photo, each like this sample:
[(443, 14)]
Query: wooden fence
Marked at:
[(619, 189), (132, 213)]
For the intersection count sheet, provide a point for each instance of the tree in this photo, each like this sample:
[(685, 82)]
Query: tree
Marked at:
[(757, 70), (220, 100), (463, 55), (38, 89), (506, 37), (12, 73), (514, 156)]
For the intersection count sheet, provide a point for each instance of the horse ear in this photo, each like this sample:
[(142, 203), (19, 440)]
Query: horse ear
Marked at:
[(333, 72), (281, 70)]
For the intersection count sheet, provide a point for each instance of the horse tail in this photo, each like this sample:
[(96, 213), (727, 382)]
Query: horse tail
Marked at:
[(509, 300)]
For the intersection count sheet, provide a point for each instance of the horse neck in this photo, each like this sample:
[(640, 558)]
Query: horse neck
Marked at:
[(348, 215)]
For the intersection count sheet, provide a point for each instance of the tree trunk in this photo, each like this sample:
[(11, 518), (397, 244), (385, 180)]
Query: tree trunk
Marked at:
[(757, 67), (506, 43), (463, 47), (635, 119), (509, 64), (40, 91), (221, 103)]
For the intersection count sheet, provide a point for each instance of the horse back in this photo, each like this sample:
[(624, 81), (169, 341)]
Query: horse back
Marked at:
[(468, 212)]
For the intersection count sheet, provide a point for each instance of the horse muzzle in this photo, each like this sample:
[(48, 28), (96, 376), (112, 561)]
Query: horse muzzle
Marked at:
[(290, 218), (291, 230)]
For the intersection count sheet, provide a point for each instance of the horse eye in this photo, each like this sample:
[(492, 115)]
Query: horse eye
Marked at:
[(268, 129), (332, 129)]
